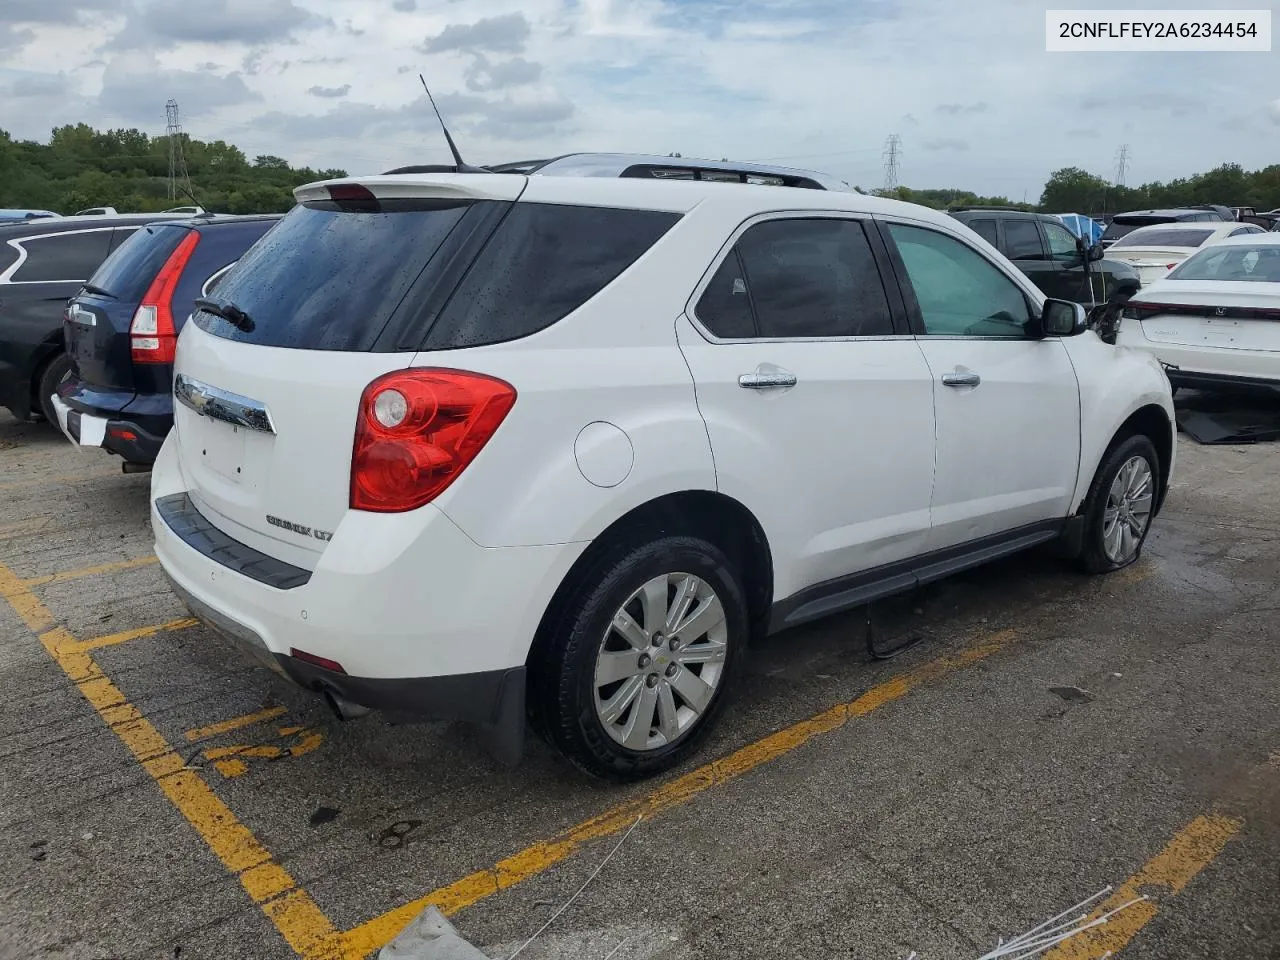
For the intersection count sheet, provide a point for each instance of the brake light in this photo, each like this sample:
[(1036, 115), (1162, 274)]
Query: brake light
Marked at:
[(350, 191), (417, 430), (153, 338)]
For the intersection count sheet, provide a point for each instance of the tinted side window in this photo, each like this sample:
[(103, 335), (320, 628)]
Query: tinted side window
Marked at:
[(725, 308), (128, 272), (960, 293), (986, 229), (807, 278), (71, 257), (1062, 242), (544, 262), (1022, 238)]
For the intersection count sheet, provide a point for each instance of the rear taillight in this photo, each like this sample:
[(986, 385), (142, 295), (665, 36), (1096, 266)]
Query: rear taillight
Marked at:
[(153, 338), (417, 430)]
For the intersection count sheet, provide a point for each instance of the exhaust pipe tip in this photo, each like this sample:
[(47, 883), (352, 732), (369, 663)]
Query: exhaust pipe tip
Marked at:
[(342, 708)]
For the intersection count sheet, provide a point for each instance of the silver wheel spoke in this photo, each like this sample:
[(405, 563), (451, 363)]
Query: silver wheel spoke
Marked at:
[(612, 667), (653, 600), (668, 722), (686, 593), (631, 631), (641, 720), (707, 617), (703, 653), (693, 690), (1112, 538), (617, 705)]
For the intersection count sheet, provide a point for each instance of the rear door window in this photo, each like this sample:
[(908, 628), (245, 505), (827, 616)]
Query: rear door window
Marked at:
[(797, 279), (1022, 240), (68, 257), (127, 273), (544, 262), (986, 229)]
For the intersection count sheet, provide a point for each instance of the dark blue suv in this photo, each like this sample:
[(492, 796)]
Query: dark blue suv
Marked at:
[(121, 330)]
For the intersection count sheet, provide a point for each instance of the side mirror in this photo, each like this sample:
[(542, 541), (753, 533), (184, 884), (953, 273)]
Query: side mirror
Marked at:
[(1062, 318), (1096, 252)]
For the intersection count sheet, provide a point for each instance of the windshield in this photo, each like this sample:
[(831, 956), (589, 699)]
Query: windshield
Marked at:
[(1258, 263), (1164, 237)]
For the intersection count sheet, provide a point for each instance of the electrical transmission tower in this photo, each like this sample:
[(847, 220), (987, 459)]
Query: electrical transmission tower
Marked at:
[(892, 157), (177, 156), (1122, 164)]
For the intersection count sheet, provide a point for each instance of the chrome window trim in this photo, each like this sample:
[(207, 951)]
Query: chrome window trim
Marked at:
[(214, 277), (17, 243), (722, 254), (217, 404)]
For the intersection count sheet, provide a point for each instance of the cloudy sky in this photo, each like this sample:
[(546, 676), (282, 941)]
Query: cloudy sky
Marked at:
[(967, 84)]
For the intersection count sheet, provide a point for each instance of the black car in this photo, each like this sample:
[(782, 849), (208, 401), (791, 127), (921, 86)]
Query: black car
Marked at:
[(43, 262), (1048, 253), (121, 330), (1122, 224)]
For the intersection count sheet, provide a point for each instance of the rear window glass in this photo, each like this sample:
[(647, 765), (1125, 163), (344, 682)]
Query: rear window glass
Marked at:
[(1259, 263), (128, 272), (544, 262), (1151, 237), (68, 257), (330, 278)]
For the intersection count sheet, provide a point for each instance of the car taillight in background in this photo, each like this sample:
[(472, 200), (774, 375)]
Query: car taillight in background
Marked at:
[(417, 430), (153, 338)]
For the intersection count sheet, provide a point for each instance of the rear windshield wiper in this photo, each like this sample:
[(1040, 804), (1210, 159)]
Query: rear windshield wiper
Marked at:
[(97, 291), (228, 312)]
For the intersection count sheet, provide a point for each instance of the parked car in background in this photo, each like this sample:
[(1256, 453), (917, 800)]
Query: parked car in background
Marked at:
[(1223, 212), (42, 265), (653, 416), (20, 216), (98, 212), (1123, 224), (121, 330), (1214, 321), (1048, 253), (1154, 251)]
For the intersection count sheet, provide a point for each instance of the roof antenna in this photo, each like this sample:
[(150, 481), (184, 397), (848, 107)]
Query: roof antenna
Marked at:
[(459, 165)]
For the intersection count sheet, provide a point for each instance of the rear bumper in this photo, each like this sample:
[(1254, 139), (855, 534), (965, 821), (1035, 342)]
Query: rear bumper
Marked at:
[(1195, 380), (124, 438), (1189, 366)]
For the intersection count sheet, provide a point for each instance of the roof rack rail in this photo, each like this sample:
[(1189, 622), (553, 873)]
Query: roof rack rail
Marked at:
[(1011, 208)]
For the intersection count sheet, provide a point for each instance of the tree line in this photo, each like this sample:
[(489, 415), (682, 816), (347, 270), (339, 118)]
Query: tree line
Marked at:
[(1072, 190), (81, 167)]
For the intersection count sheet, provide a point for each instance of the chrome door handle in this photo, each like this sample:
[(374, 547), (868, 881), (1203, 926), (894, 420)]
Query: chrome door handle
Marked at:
[(763, 381), (961, 379)]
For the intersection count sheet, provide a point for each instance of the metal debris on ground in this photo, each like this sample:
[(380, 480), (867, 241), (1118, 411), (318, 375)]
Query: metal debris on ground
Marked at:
[(1053, 931)]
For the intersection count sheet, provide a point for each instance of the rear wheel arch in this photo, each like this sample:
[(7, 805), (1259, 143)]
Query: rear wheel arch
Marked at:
[(714, 517)]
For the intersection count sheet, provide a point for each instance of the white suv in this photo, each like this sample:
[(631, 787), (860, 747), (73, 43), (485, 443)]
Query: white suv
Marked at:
[(481, 444)]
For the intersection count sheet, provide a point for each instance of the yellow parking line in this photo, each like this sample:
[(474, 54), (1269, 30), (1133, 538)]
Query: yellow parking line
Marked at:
[(373, 934), (89, 571), (1192, 849), (299, 920), (124, 636), (235, 723)]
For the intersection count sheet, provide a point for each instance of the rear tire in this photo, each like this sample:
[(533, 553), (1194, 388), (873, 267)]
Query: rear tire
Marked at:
[(55, 371), (1120, 505), (614, 688)]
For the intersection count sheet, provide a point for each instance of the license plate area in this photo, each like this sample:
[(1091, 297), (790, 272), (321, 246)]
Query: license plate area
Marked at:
[(222, 448)]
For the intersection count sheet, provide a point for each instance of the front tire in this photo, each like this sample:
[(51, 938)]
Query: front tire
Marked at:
[(637, 668), (1120, 505), (55, 371)]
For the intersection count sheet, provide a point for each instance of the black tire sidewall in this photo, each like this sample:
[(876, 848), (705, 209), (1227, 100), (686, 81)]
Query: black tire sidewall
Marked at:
[(574, 725), (50, 377), (1094, 556)]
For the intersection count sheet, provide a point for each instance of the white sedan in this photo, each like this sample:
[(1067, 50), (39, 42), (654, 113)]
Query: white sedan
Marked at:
[(1156, 249), (1215, 320)]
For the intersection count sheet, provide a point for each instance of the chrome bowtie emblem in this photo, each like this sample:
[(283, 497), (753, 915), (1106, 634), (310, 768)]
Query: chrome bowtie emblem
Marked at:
[(1220, 312)]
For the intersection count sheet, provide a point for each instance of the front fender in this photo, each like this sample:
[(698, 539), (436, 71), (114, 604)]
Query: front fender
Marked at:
[(1115, 383)]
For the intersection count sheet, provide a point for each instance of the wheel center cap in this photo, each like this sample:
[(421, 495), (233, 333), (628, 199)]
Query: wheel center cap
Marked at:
[(661, 660)]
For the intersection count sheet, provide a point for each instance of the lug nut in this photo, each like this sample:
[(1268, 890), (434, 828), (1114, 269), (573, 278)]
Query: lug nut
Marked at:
[(675, 644), (671, 670), (645, 660), (657, 639), (651, 680)]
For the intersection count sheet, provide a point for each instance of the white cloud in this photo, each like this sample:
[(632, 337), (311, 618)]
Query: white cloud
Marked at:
[(819, 82)]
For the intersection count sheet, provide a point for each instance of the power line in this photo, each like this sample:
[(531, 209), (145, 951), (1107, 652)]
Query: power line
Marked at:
[(892, 156), (1122, 164), (177, 156)]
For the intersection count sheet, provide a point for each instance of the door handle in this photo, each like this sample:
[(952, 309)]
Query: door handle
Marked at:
[(763, 381), (958, 379)]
